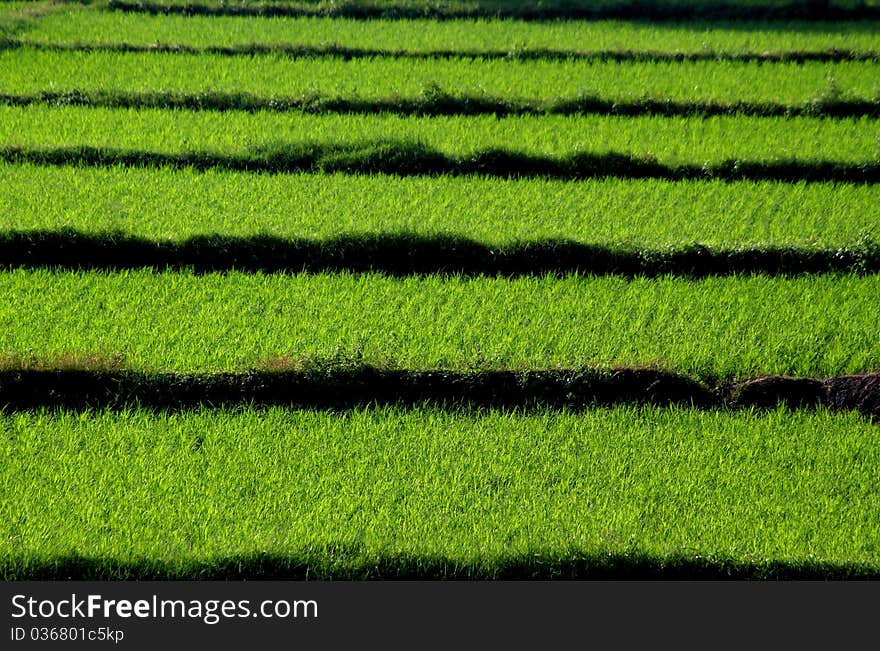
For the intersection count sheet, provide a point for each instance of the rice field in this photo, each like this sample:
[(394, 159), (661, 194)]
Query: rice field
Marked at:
[(819, 325), (26, 71), (480, 37), (172, 205), (679, 141), (439, 290), (382, 493)]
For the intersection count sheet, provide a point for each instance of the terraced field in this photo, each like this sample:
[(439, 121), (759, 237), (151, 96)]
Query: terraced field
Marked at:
[(437, 290)]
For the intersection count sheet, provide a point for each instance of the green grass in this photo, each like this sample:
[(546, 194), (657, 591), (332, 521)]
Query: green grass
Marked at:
[(425, 36), (530, 10), (28, 8), (666, 140), (26, 71), (385, 492), (162, 204), (13, 7), (432, 492), (16, 17), (716, 327)]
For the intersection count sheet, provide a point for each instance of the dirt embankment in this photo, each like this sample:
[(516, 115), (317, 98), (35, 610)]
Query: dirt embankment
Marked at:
[(344, 388)]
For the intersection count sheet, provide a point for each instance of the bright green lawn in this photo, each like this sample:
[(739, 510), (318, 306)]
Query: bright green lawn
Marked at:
[(347, 493), (24, 71), (733, 326), (670, 140), (80, 27)]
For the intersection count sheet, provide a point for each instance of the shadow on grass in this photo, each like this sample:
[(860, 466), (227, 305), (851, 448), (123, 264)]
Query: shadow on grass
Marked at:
[(353, 563), (814, 10), (333, 386), (434, 101), (27, 383), (406, 158), (406, 254), (346, 52)]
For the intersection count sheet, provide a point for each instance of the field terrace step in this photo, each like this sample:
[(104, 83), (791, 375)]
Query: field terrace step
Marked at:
[(347, 388)]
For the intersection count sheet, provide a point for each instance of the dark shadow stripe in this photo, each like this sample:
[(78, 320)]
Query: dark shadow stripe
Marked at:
[(531, 11), (412, 159), (433, 102), (354, 562), (528, 54), (406, 254), (339, 387)]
